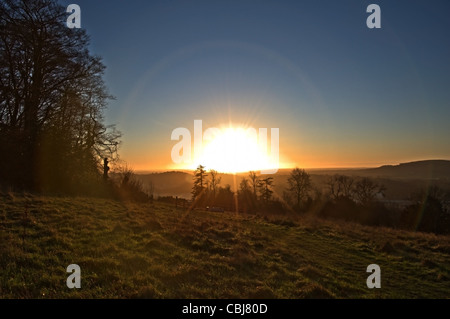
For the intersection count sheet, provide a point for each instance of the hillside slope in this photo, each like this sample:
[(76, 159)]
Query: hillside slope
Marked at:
[(152, 251), (428, 169), (400, 179)]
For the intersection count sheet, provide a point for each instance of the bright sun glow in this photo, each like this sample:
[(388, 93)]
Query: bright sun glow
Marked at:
[(234, 150)]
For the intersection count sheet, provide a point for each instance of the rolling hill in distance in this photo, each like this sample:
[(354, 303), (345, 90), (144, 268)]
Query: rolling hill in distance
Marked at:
[(400, 180), (427, 169)]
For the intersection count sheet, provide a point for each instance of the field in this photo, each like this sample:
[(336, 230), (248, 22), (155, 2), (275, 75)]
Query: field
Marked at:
[(129, 250)]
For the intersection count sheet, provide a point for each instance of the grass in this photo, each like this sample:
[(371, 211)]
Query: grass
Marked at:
[(128, 250)]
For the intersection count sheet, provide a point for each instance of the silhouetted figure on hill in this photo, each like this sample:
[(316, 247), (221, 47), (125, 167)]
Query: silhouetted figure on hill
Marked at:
[(105, 169)]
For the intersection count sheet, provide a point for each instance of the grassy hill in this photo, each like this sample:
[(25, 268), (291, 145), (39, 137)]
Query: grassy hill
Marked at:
[(128, 250), (427, 170)]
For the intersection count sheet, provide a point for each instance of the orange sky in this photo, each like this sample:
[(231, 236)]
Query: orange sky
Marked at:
[(292, 152)]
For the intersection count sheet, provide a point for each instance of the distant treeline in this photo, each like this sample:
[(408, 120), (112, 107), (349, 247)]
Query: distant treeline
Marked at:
[(356, 199)]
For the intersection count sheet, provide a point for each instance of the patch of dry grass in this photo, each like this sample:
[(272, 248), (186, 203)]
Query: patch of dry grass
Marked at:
[(129, 250)]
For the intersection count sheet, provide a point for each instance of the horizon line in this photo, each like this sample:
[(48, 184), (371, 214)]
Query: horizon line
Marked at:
[(330, 168)]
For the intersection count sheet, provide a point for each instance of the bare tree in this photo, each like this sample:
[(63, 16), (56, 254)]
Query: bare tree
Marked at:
[(52, 97), (366, 190), (299, 184), (340, 186), (254, 182), (214, 181)]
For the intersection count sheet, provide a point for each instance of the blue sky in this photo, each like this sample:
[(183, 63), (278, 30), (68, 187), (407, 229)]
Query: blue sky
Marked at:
[(342, 94)]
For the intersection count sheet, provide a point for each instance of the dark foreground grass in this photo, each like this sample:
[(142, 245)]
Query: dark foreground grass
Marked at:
[(128, 250)]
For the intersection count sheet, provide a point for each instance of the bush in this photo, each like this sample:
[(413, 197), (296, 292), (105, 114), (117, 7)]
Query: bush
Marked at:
[(126, 186), (341, 208), (377, 214), (427, 216)]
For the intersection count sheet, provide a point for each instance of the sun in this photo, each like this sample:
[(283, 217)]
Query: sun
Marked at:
[(235, 150)]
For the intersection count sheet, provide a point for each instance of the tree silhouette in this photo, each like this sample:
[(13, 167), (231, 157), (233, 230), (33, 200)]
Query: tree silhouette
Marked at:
[(299, 184), (198, 190), (52, 98), (254, 182), (225, 198), (244, 186), (340, 186), (245, 196), (366, 190), (215, 181), (265, 188)]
